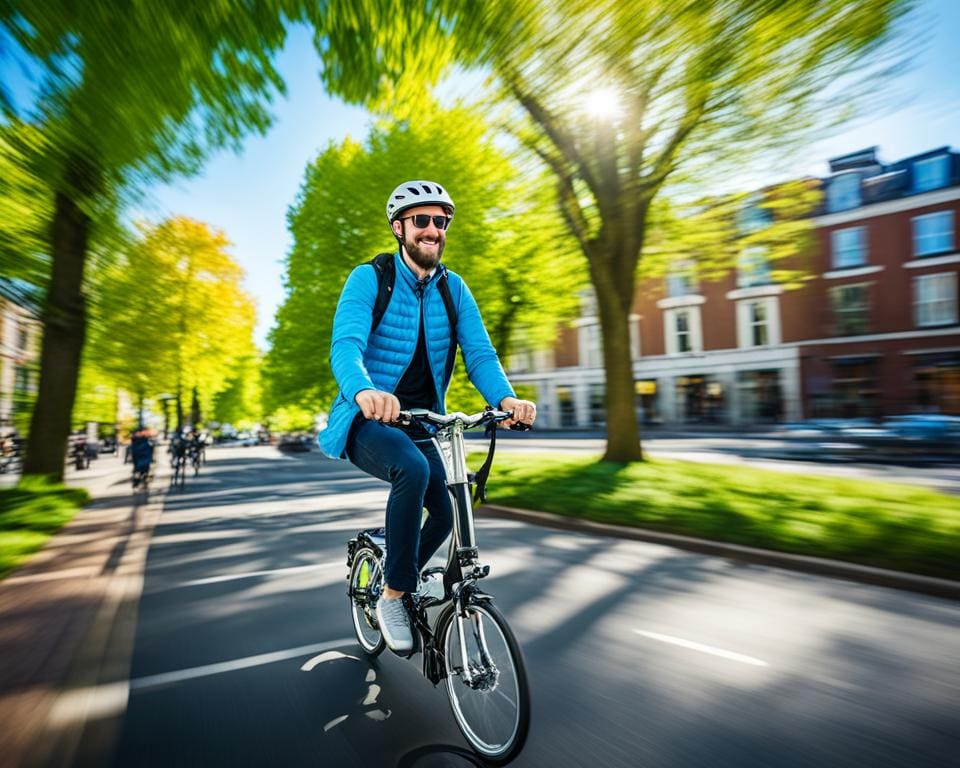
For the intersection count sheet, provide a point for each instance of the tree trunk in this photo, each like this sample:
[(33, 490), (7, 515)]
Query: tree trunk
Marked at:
[(623, 431), (64, 330)]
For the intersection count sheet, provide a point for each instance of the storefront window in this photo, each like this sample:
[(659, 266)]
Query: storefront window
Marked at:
[(568, 409), (598, 410), (855, 392), (761, 396)]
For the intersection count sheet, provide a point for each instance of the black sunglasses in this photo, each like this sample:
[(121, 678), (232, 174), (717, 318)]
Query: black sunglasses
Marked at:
[(422, 221)]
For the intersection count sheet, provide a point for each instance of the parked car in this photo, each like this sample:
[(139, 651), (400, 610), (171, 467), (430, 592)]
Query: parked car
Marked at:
[(295, 443)]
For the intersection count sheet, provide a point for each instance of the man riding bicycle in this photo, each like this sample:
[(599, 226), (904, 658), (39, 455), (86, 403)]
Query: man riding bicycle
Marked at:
[(399, 365)]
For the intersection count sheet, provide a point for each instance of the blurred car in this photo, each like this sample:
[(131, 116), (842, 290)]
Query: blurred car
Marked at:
[(295, 443), (247, 438)]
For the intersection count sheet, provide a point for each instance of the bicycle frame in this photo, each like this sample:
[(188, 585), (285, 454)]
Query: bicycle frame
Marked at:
[(463, 568)]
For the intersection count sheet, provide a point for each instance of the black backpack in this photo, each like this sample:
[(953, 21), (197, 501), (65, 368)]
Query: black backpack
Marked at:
[(386, 269)]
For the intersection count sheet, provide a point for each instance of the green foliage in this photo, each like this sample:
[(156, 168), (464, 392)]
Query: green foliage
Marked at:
[(148, 90), (239, 403), (26, 207), (32, 512), (291, 419), (502, 241), (171, 313), (881, 524)]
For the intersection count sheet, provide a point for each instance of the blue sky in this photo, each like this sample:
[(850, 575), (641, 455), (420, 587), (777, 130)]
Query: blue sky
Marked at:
[(247, 195)]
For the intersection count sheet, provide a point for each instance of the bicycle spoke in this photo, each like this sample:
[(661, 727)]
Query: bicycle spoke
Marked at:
[(492, 709)]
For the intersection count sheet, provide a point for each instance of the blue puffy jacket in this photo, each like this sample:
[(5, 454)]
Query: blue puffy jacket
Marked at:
[(361, 360)]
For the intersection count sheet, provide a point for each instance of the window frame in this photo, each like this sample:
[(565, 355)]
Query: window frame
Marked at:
[(950, 299), (835, 250), (840, 327), (941, 162), (841, 195), (949, 232)]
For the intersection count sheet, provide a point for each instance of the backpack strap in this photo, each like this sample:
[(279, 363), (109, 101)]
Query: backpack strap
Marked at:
[(443, 285), (386, 276)]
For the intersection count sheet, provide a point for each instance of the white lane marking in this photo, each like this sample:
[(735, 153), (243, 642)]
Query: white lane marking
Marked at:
[(326, 656), (335, 722), (703, 648), (248, 575), (152, 681)]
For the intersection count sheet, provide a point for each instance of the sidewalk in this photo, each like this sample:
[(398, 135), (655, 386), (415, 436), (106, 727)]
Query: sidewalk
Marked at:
[(67, 621)]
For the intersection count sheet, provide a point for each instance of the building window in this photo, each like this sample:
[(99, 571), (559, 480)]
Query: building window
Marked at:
[(753, 267), (849, 247), (591, 351), (843, 192), (935, 299), (682, 281), (932, 173), (753, 217), (588, 303), (758, 324), (933, 233), (683, 331), (598, 407), (23, 337), (849, 304)]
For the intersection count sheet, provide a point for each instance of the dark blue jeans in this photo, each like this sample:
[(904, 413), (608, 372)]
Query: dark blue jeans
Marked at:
[(417, 479)]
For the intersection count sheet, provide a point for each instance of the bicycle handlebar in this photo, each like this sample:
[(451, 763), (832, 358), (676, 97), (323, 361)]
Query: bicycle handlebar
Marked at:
[(489, 416)]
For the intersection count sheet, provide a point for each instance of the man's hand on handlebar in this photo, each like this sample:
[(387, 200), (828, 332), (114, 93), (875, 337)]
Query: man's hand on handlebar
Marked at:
[(524, 412), (378, 406)]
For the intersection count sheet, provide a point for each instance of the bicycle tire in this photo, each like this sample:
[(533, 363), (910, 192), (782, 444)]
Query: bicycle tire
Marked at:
[(366, 582), (494, 717)]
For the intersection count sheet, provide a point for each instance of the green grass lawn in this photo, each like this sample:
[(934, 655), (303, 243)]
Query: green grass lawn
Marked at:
[(882, 524), (31, 513)]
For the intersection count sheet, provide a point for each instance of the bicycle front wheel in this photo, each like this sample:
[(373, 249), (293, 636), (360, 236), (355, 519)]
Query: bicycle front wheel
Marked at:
[(366, 583), (487, 682)]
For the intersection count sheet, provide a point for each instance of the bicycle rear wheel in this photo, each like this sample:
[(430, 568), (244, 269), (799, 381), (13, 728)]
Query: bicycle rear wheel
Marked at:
[(366, 583), (491, 704)]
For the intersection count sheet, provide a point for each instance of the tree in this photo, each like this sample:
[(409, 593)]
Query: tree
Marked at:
[(502, 240), (171, 315), (126, 95), (620, 99), (239, 403)]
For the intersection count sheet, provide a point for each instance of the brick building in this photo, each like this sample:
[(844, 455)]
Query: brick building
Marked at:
[(874, 332), (19, 358)]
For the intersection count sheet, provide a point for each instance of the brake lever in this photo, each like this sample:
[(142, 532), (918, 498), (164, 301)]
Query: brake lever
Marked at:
[(519, 426)]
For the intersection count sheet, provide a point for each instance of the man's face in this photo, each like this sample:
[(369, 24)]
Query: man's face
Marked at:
[(424, 245)]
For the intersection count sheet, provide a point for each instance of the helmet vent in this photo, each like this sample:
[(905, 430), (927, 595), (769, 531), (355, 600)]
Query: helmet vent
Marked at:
[(414, 190)]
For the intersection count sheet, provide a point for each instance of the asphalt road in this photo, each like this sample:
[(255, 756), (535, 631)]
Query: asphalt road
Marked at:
[(638, 654)]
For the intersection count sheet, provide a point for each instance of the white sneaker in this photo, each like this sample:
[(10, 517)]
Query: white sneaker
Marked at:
[(431, 587), (395, 624)]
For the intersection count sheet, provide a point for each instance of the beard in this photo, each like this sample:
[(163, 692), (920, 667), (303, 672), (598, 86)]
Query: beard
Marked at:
[(423, 258)]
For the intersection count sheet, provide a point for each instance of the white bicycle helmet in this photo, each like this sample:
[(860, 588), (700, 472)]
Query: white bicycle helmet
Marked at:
[(410, 194)]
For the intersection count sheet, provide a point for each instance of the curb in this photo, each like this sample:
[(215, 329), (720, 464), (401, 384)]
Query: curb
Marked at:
[(928, 585)]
